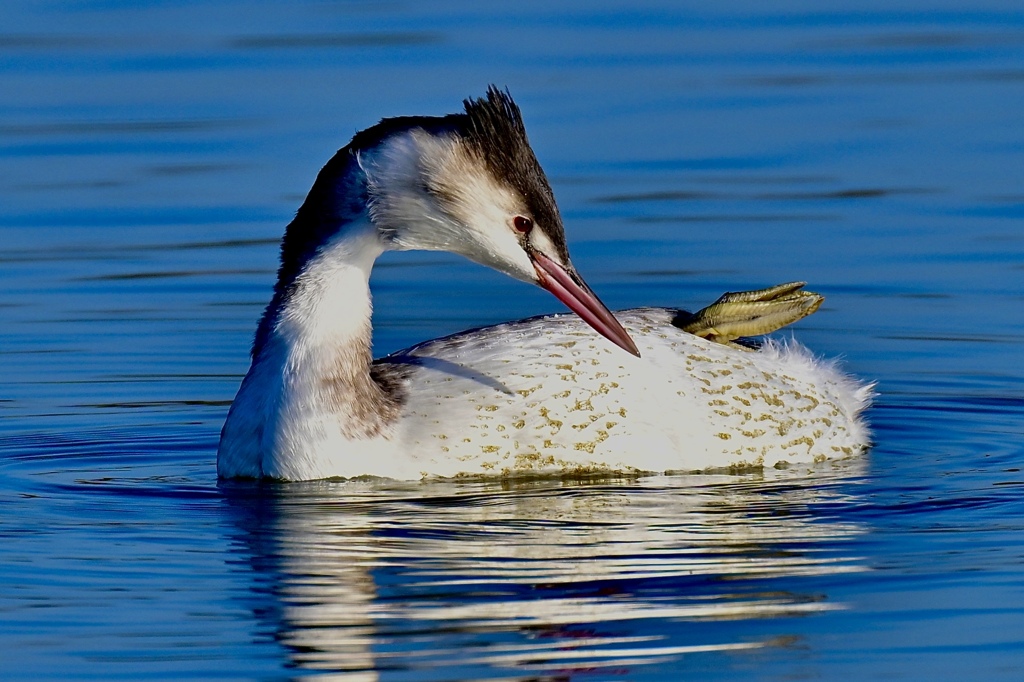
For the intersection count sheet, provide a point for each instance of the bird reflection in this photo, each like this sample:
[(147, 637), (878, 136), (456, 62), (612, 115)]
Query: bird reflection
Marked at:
[(535, 579)]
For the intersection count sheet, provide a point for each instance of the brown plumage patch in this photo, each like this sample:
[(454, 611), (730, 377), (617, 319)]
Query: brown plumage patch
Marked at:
[(366, 396)]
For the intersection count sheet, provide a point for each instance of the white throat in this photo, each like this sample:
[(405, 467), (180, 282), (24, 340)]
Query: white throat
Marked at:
[(310, 389), (329, 308)]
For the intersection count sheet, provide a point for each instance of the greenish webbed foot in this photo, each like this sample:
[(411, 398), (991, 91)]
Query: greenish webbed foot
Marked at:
[(752, 313)]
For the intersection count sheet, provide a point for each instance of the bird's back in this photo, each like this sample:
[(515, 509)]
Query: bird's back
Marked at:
[(547, 395)]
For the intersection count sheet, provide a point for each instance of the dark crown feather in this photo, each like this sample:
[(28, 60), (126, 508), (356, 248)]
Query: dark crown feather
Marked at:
[(495, 131)]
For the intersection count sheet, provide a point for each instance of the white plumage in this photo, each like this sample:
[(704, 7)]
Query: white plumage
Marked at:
[(539, 396), (549, 396)]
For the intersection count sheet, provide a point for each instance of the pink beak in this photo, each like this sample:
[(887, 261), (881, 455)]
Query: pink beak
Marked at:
[(573, 292)]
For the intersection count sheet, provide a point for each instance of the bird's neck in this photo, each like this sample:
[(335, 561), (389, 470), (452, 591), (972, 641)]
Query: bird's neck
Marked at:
[(322, 333), (325, 315), (316, 335)]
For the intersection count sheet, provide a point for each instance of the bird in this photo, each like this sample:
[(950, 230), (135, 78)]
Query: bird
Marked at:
[(645, 390)]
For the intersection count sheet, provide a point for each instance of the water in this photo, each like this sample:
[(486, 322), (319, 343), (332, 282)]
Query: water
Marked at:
[(151, 155)]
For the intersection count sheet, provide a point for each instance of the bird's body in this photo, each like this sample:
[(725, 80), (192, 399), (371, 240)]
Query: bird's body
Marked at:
[(544, 395), (549, 396)]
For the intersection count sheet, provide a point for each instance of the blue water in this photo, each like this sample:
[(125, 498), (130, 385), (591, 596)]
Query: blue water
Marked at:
[(151, 154)]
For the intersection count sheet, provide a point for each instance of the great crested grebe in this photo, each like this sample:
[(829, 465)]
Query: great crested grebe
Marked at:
[(542, 395)]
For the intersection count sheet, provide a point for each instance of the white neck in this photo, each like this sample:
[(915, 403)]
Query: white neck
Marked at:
[(326, 317), (310, 389), (325, 332)]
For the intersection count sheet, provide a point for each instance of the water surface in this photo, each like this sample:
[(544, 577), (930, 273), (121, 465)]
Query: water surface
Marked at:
[(152, 154)]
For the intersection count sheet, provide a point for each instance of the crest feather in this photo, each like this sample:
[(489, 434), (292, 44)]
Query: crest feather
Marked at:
[(495, 132)]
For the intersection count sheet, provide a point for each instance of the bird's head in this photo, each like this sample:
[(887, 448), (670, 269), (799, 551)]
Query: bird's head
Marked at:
[(470, 184)]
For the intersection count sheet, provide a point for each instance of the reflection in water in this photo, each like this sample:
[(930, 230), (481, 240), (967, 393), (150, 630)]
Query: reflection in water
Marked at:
[(533, 578)]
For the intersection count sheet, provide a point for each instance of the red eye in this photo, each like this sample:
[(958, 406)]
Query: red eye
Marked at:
[(522, 224)]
